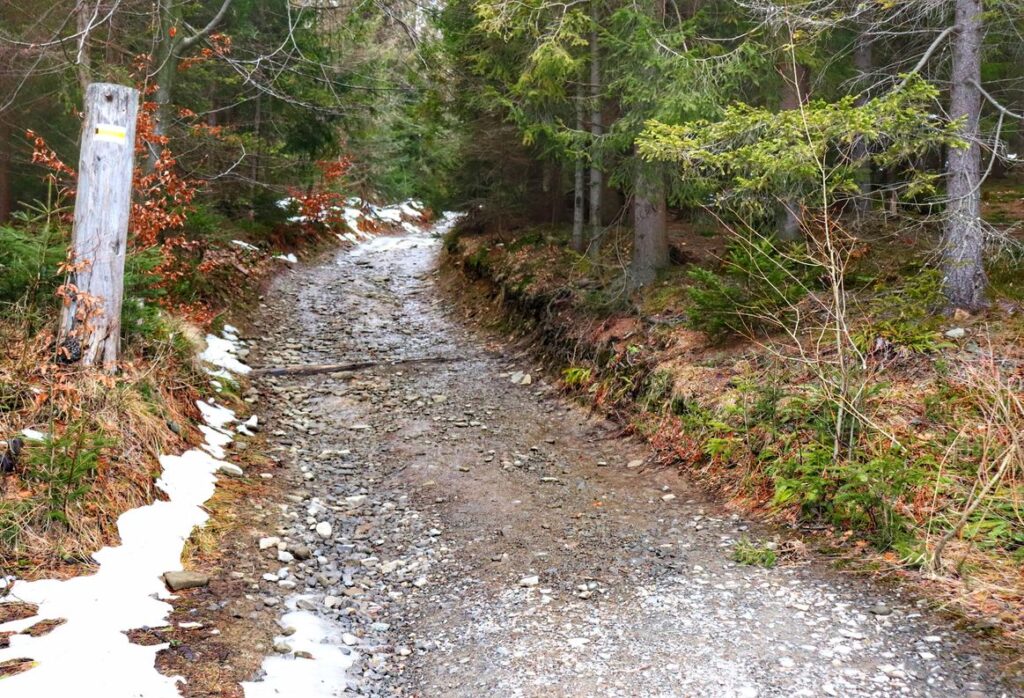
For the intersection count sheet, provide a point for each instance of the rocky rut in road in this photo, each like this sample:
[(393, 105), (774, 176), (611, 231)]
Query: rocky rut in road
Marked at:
[(474, 534)]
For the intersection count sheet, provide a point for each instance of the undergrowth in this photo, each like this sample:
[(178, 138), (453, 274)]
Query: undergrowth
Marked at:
[(923, 465), (92, 443), (747, 552), (758, 286)]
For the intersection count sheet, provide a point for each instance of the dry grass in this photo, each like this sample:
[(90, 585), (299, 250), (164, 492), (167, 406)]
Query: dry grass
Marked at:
[(122, 421), (15, 666)]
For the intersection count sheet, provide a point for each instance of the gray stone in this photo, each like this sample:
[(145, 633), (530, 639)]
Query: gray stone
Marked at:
[(230, 469), (178, 581)]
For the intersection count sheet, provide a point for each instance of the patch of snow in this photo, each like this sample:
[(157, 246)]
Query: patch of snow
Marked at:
[(388, 214), (447, 222), (91, 650), (352, 217), (222, 352), (246, 427), (386, 243), (217, 416), (290, 258), (216, 440), (245, 245), (411, 209), (288, 675)]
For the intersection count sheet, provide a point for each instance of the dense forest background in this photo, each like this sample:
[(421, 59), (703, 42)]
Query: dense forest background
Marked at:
[(806, 214), (583, 112)]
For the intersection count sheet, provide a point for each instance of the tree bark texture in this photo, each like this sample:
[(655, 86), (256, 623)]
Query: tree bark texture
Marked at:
[(963, 238), (596, 129), (796, 85), (100, 234), (166, 74), (5, 170), (83, 63), (578, 197), (650, 242), (171, 47), (863, 61)]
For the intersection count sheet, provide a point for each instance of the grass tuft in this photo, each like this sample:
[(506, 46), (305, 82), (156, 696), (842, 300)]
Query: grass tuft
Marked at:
[(747, 552)]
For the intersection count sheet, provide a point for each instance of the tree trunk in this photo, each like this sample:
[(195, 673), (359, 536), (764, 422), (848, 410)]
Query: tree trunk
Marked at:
[(556, 200), (578, 182), (5, 170), (256, 160), (862, 63), (796, 85), (83, 63), (91, 321), (166, 73), (171, 47), (650, 241), (596, 176), (544, 208), (963, 238)]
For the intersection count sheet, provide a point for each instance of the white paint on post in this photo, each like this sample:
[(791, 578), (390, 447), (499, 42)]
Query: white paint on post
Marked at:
[(102, 209)]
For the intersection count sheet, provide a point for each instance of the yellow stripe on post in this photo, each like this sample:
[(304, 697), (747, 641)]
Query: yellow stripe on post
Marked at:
[(110, 133)]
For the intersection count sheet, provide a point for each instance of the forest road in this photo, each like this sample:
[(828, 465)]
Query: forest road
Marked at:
[(487, 537)]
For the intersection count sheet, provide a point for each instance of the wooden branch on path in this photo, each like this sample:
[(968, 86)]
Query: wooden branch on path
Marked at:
[(312, 369)]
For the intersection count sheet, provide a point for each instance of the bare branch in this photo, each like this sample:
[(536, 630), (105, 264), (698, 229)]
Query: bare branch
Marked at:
[(992, 100), (927, 55), (191, 41)]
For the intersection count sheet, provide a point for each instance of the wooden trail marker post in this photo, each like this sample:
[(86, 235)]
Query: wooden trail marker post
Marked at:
[(99, 237)]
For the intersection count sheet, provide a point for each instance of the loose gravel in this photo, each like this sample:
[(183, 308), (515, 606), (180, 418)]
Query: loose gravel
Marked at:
[(472, 533)]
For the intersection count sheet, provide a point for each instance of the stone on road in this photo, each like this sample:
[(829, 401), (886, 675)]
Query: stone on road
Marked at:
[(474, 534)]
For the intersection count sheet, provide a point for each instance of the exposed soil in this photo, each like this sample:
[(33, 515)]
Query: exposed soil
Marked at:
[(218, 634), (489, 538)]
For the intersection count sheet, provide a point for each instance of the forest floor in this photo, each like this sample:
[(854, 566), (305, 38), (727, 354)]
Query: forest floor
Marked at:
[(467, 531)]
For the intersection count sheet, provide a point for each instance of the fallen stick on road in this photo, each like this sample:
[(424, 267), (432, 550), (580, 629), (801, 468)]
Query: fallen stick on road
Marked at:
[(310, 369)]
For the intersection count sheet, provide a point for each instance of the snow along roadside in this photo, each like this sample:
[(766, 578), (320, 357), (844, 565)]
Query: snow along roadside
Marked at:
[(90, 654)]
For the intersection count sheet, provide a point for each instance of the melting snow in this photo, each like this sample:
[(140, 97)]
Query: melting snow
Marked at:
[(414, 237), (217, 416), (321, 677), (223, 352), (390, 214), (386, 243), (447, 222), (352, 216), (215, 441), (90, 654)]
